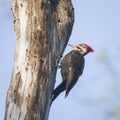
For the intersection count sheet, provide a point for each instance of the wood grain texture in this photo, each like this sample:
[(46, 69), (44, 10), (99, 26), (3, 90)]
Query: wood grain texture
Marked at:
[(42, 28)]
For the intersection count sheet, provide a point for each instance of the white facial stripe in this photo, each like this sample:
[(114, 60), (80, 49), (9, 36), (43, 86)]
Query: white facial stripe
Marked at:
[(82, 49)]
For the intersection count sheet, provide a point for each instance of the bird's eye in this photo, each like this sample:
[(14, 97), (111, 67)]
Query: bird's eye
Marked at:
[(83, 46)]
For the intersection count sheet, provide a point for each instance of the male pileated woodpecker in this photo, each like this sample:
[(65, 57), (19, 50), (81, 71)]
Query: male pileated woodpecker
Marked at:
[(71, 68)]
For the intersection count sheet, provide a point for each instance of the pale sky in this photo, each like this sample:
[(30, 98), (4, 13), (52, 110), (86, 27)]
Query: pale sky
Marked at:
[(96, 96)]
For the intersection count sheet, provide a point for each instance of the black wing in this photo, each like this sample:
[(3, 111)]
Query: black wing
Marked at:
[(72, 67)]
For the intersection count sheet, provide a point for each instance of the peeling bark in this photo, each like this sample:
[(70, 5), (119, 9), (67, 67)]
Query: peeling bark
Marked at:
[(43, 28)]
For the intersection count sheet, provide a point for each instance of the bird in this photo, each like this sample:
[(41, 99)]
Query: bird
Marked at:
[(72, 67)]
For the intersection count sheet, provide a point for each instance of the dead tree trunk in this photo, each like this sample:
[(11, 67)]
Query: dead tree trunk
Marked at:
[(43, 28)]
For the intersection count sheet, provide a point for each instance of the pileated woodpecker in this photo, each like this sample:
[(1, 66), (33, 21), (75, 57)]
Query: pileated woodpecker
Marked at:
[(71, 68)]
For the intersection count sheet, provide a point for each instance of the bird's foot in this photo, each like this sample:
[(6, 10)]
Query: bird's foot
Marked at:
[(58, 63)]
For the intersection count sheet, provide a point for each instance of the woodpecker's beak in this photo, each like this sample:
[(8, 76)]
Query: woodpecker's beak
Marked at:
[(73, 46)]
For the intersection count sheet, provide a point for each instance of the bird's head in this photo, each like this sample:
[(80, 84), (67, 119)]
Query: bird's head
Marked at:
[(83, 48)]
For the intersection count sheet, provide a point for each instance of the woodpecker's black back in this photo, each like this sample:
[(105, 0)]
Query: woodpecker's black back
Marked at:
[(71, 68)]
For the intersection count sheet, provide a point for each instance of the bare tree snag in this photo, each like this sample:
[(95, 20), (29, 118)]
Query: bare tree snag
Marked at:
[(43, 28)]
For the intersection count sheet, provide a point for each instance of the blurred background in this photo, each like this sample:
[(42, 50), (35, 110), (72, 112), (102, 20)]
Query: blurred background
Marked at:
[(96, 96)]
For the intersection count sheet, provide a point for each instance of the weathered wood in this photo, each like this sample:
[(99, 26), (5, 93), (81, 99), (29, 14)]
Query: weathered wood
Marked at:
[(43, 28)]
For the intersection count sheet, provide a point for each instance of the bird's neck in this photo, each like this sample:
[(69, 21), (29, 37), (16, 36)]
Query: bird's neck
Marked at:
[(82, 52)]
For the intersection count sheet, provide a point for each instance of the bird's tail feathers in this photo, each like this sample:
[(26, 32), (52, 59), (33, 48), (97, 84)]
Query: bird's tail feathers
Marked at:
[(66, 93), (58, 90)]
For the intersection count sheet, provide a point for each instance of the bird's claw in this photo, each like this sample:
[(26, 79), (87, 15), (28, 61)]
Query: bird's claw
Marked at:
[(58, 63)]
